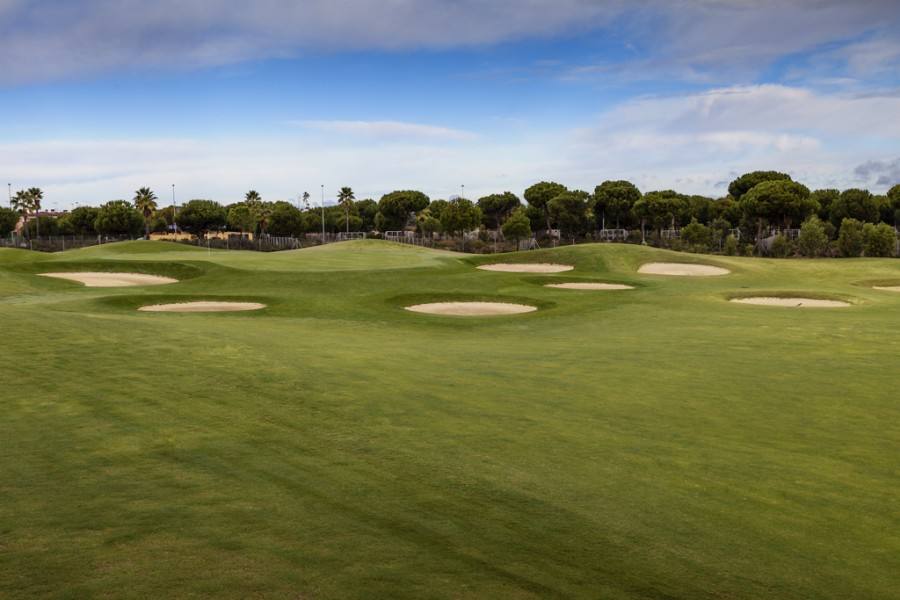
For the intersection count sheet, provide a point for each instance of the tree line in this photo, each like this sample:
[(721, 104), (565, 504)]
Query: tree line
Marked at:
[(761, 205)]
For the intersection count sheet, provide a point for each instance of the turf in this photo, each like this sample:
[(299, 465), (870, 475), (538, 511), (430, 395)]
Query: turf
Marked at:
[(653, 443)]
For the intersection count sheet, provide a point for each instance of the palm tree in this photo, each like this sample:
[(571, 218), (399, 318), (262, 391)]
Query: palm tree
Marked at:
[(22, 203), (145, 202), (345, 199), (36, 195), (263, 214), (254, 202)]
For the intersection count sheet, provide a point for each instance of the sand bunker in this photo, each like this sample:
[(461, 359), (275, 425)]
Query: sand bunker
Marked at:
[(112, 279), (682, 270), (203, 306), (471, 309), (590, 286), (791, 302), (526, 267), (887, 288)]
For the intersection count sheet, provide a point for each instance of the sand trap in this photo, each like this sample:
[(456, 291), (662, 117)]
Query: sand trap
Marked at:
[(682, 270), (590, 286), (887, 288), (471, 309), (791, 302), (112, 279), (526, 267), (203, 306)]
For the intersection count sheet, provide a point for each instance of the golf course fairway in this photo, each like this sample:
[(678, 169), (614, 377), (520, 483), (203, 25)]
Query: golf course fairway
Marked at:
[(661, 443)]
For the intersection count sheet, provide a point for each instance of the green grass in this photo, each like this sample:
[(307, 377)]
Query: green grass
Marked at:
[(653, 443)]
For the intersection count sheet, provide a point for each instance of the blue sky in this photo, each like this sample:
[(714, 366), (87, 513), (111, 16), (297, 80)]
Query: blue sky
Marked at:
[(100, 97)]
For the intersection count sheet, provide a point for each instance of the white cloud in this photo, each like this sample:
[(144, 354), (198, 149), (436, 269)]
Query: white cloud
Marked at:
[(883, 173), (762, 108), (45, 40), (388, 130), (93, 171), (697, 141), (728, 41), (694, 143), (50, 39)]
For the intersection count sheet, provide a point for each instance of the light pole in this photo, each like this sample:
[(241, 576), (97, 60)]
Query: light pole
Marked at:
[(174, 224), (323, 214), (462, 195)]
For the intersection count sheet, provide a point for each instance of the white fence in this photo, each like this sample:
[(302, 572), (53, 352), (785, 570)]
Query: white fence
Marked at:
[(612, 235)]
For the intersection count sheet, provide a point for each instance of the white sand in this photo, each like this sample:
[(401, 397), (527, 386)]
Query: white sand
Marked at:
[(888, 288), (203, 306), (526, 267), (471, 309), (792, 302), (682, 270), (112, 279), (590, 286)]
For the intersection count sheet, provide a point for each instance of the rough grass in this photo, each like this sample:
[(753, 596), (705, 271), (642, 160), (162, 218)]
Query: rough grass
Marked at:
[(660, 443)]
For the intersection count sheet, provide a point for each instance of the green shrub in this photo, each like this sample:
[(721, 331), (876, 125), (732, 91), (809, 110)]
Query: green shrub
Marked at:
[(850, 239), (879, 240), (81, 220), (731, 245), (675, 244), (696, 235), (199, 216), (477, 246), (119, 217), (517, 227), (719, 228), (45, 225), (284, 220), (8, 220), (813, 240), (781, 247)]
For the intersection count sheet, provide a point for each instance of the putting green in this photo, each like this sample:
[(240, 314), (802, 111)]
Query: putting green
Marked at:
[(655, 443)]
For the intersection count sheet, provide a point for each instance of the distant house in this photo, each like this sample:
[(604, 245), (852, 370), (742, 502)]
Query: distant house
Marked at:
[(41, 213)]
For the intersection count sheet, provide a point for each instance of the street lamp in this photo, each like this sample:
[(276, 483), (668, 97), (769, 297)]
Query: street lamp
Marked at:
[(323, 214), (174, 224), (462, 196)]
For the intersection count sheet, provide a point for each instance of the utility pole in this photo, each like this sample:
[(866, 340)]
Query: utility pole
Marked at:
[(174, 224), (462, 194), (323, 214)]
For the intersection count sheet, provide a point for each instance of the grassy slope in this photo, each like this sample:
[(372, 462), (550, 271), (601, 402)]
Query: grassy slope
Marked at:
[(368, 254), (655, 443)]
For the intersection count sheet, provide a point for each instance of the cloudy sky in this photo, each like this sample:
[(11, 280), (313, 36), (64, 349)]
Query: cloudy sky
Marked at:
[(100, 97)]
